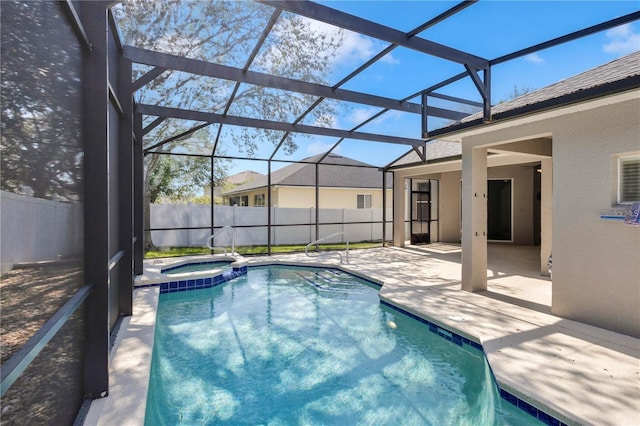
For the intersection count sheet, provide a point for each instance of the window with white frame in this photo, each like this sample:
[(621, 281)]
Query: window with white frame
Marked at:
[(629, 179), (258, 200), (241, 201), (364, 201)]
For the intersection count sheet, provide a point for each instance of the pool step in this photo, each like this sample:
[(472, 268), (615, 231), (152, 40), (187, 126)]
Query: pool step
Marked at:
[(340, 283)]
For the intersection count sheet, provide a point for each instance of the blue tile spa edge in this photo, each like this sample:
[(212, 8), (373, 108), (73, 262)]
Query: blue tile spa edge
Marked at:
[(461, 341), (175, 286)]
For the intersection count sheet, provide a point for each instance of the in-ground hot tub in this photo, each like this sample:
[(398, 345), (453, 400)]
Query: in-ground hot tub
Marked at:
[(190, 273)]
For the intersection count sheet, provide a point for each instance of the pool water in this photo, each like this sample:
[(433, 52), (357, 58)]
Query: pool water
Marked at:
[(288, 345), (197, 267)]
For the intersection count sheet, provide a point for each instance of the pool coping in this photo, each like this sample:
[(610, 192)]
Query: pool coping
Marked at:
[(129, 366), (508, 390)]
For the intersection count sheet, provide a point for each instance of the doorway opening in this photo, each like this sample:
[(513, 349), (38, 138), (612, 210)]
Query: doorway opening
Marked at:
[(424, 211), (499, 210)]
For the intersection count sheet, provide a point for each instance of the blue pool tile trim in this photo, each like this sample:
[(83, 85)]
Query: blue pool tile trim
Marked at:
[(198, 283), (436, 329), (462, 341)]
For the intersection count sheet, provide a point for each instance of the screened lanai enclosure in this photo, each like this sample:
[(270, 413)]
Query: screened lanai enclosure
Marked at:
[(138, 127)]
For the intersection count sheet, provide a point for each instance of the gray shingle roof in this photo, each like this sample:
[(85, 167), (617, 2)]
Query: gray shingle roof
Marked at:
[(242, 177), (615, 76), (436, 150), (333, 173)]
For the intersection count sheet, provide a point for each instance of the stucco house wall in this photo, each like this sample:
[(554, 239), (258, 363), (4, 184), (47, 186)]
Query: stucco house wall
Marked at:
[(596, 262), (596, 276), (295, 197), (450, 207), (449, 219), (329, 198)]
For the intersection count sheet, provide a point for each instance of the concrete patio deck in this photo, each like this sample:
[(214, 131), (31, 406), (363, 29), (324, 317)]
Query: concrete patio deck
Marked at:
[(578, 373)]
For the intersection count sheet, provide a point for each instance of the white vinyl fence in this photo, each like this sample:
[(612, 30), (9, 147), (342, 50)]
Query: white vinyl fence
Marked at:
[(34, 229), (296, 231)]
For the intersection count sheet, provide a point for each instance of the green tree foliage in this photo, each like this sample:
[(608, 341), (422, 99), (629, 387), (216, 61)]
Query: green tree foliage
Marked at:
[(41, 137), (225, 32), (167, 179)]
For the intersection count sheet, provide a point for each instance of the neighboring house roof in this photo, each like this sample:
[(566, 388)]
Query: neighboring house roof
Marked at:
[(242, 177), (333, 173), (235, 180), (613, 77)]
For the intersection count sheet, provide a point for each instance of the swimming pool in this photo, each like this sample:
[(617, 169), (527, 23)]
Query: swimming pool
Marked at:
[(285, 345)]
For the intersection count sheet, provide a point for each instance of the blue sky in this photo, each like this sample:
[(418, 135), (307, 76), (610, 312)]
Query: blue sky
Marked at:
[(488, 29)]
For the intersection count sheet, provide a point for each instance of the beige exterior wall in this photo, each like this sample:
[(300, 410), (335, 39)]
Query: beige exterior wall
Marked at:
[(348, 197), (450, 207), (450, 202), (304, 197), (295, 197), (596, 275), (398, 209), (596, 263)]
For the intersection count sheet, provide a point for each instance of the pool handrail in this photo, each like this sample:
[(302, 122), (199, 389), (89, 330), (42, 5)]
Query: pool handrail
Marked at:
[(306, 249), (218, 232)]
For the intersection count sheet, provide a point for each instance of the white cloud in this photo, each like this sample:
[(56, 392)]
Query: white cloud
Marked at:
[(623, 40), (355, 47), (359, 115), (389, 115), (389, 59), (534, 58), (318, 147), (359, 48)]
